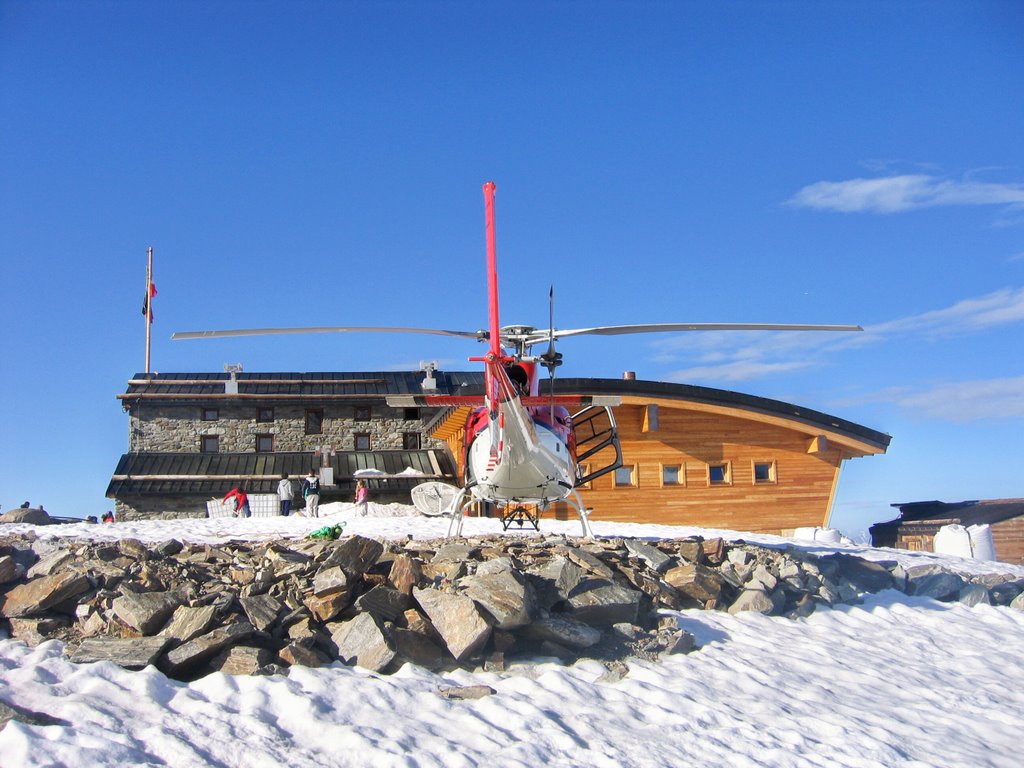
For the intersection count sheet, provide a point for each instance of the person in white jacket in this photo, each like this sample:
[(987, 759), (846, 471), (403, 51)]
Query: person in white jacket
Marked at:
[(285, 494)]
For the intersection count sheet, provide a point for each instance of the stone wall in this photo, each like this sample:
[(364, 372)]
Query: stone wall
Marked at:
[(178, 428)]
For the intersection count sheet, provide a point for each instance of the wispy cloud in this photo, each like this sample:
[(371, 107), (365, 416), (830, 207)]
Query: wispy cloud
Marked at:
[(893, 194), (744, 356), (963, 401)]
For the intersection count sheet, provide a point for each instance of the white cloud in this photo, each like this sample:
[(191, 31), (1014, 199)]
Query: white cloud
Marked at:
[(964, 401), (746, 355), (892, 194)]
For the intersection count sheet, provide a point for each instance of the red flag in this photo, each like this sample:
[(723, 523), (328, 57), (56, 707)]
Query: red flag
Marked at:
[(145, 301)]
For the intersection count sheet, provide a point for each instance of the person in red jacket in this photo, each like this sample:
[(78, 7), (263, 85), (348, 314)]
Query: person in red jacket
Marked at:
[(240, 500)]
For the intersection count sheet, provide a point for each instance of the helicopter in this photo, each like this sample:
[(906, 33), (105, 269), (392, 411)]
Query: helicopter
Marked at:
[(523, 451)]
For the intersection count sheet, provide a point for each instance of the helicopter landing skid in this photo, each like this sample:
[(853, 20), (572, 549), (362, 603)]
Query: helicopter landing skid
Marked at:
[(518, 515)]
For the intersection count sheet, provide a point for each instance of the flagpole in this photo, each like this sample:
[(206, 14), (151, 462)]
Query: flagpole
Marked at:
[(149, 303)]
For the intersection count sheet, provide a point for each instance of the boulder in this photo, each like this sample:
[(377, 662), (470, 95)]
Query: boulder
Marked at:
[(355, 555), (199, 649), (383, 602), (41, 594), (261, 610), (653, 556), (564, 631), (26, 516), (506, 597), (130, 653), (601, 603), (753, 600), (362, 642), (696, 581), (187, 623), (457, 620), (146, 612)]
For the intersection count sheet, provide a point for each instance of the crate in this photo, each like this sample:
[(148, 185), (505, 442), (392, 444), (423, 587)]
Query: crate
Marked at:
[(260, 505)]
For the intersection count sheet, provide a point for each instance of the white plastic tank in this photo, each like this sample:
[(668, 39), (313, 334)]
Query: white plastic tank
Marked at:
[(981, 542), (953, 540)]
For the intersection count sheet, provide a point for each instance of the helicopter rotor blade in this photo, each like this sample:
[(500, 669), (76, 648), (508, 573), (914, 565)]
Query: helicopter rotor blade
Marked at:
[(324, 329), (615, 330)]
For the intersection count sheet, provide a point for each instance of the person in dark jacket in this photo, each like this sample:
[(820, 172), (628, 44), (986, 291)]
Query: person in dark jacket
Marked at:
[(311, 492)]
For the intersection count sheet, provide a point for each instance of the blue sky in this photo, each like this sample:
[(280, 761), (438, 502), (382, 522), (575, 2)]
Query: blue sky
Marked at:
[(321, 164)]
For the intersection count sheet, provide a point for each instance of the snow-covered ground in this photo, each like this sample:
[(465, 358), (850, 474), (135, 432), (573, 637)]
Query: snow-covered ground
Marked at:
[(895, 681)]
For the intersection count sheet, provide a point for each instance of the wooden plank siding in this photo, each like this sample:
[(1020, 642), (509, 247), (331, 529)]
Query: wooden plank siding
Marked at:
[(799, 494)]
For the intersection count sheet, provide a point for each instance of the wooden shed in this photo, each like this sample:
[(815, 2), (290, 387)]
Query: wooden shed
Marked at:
[(919, 521)]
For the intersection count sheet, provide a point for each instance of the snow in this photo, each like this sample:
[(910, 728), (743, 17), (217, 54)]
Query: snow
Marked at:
[(894, 681)]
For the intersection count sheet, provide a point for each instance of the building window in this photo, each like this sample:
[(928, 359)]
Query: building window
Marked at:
[(411, 414), (411, 441), (362, 441), (764, 472), (314, 422), (672, 474), (719, 474), (264, 415), (361, 413), (210, 414), (209, 443), (625, 476), (264, 443), (582, 471)]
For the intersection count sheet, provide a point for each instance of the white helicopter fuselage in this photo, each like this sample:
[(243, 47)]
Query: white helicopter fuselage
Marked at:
[(517, 460)]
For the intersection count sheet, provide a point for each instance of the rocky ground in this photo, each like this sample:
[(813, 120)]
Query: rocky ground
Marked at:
[(258, 608)]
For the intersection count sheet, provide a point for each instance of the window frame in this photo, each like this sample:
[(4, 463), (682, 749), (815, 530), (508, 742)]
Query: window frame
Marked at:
[(726, 474), (633, 479), (356, 436), (260, 415), (265, 436), (203, 439), (411, 413), (680, 475), (209, 414), (407, 438), (318, 413), (773, 476), (362, 413)]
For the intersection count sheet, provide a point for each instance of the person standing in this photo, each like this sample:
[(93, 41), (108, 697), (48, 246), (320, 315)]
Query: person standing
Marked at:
[(285, 492), (362, 497), (311, 492)]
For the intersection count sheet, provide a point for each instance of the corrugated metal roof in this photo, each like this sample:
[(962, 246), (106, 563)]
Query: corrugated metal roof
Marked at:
[(216, 473)]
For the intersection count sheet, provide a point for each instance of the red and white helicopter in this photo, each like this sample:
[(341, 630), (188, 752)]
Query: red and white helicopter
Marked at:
[(523, 450)]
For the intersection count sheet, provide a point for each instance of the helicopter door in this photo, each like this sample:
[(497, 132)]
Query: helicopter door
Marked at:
[(597, 439)]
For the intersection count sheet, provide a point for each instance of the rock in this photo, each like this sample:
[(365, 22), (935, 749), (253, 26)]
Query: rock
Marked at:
[(130, 653), (564, 631), (42, 594), (33, 631), (330, 581), (327, 608), (1004, 593), (762, 576), (355, 554), (146, 612), (589, 563), (466, 692), (506, 597), (416, 648), (863, 575), (601, 603), (614, 671), (696, 581), (362, 642), (187, 623), (26, 516), (455, 551), (47, 565), (10, 712), (942, 586), (199, 649), (261, 610), (753, 600), (9, 570), (554, 580), (383, 602), (974, 594), (405, 574), (457, 620), (653, 556), (241, 660), (298, 655)]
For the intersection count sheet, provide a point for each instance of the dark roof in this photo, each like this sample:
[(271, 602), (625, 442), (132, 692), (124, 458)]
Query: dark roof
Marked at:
[(158, 474), (380, 384), (984, 512)]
